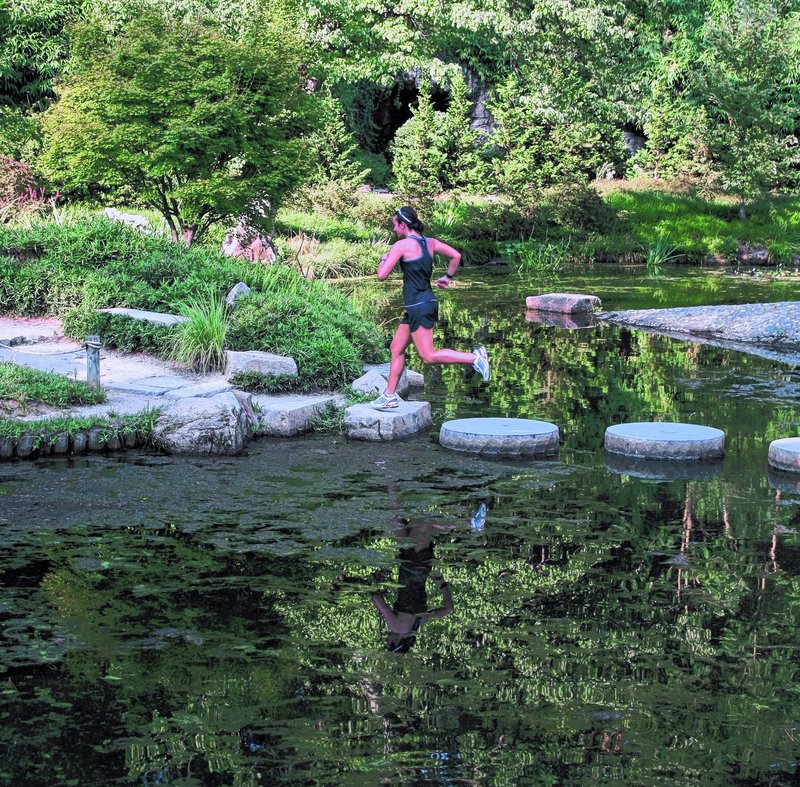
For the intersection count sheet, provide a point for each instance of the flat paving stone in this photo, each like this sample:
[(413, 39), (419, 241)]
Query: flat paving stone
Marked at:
[(500, 436), (200, 390), (663, 469), (362, 422), (153, 386), (563, 302), (657, 440), (784, 454), (157, 318)]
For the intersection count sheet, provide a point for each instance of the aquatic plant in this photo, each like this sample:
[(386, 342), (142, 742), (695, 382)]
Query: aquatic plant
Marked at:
[(659, 253)]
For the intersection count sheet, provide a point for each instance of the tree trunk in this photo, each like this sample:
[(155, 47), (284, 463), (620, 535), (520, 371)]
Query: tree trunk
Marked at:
[(742, 210)]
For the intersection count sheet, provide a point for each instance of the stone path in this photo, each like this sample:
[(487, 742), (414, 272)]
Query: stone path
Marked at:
[(135, 383), (771, 330)]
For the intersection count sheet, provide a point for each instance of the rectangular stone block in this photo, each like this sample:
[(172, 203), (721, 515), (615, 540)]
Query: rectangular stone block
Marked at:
[(563, 302), (362, 422), (285, 416)]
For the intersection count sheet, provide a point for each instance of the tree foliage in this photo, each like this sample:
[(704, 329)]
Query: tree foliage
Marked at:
[(197, 124), (746, 82)]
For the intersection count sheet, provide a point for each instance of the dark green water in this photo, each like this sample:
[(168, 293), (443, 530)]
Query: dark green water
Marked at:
[(187, 621)]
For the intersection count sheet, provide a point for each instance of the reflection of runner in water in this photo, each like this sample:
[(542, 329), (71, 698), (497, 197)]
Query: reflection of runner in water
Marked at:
[(410, 610)]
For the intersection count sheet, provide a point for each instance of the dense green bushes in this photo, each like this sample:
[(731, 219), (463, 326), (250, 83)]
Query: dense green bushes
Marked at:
[(71, 270), (319, 329)]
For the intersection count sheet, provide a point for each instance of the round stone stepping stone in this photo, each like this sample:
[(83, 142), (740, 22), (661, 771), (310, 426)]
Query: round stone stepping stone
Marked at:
[(500, 436), (663, 469), (656, 440), (784, 454)]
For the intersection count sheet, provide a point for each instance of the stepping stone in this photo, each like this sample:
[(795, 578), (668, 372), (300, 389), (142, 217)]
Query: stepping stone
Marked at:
[(663, 469), (500, 436), (784, 454), (556, 320), (290, 414), (361, 422), (144, 316), (563, 302), (656, 440), (258, 361)]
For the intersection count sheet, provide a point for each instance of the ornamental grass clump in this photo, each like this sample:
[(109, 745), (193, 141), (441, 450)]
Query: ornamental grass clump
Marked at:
[(200, 341)]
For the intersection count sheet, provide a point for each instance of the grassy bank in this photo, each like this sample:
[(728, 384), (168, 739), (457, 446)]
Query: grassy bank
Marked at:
[(613, 222)]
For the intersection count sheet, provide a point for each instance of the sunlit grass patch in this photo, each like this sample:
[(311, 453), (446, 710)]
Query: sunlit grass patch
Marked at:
[(21, 388)]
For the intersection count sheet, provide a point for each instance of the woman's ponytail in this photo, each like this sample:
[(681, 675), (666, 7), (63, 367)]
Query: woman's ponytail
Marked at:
[(409, 217)]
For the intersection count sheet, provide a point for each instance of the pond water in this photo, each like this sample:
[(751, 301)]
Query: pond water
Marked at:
[(569, 621)]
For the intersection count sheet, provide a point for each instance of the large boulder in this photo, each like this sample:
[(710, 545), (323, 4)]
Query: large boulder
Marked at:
[(752, 255), (257, 361), (218, 425)]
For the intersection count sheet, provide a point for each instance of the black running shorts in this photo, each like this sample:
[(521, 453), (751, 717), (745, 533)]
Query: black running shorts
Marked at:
[(422, 316)]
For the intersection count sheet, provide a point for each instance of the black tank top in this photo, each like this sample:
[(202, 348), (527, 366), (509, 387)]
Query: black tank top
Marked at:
[(417, 276)]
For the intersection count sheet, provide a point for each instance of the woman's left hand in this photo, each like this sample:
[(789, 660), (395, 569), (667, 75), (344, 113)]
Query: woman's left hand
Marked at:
[(442, 282)]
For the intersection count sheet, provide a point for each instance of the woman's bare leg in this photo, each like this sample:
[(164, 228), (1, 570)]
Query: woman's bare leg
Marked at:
[(401, 340), (423, 341)]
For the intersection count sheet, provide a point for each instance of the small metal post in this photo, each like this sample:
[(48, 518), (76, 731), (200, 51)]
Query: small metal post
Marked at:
[(93, 346)]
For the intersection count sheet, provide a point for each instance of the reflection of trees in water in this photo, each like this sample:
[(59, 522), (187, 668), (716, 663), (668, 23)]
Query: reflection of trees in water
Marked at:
[(564, 634)]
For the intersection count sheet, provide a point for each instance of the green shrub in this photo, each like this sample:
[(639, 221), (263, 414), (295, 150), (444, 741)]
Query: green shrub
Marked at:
[(49, 268), (260, 383), (579, 206), (329, 340), (114, 330)]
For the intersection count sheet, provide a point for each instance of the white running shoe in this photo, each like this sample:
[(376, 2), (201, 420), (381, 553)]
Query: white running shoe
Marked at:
[(385, 402), (481, 362)]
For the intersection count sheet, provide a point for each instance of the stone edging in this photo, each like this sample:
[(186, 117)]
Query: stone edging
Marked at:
[(100, 438)]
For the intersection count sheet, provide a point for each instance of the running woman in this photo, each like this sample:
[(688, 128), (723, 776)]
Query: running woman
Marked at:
[(415, 254)]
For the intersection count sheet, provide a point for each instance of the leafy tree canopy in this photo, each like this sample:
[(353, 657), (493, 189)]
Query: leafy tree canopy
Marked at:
[(199, 125)]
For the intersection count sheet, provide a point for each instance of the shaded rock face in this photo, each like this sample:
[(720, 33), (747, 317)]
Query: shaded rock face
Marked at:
[(376, 377), (284, 416), (218, 425)]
